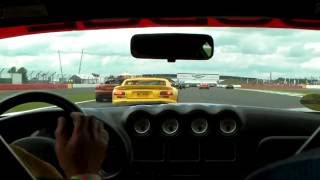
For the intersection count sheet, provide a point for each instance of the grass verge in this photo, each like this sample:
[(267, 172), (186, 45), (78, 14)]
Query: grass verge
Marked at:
[(76, 97)]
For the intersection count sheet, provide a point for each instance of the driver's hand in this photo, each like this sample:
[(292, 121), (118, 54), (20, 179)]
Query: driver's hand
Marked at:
[(85, 151)]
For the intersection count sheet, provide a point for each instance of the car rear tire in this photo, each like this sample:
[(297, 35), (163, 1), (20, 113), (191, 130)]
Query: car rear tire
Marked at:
[(98, 99)]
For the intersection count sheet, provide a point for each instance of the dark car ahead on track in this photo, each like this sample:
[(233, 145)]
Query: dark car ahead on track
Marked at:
[(213, 85), (103, 92), (182, 86), (229, 86)]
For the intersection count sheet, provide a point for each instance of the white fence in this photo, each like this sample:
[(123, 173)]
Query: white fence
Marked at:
[(313, 86), (94, 85), (234, 85), (84, 85)]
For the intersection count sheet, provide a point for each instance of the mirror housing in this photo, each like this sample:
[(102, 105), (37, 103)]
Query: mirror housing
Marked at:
[(172, 46)]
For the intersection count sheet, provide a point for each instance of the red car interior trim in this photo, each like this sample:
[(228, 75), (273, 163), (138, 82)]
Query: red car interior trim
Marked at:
[(259, 22)]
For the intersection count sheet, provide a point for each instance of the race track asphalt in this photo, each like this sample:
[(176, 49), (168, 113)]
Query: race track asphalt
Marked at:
[(227, 96), (213, 95)]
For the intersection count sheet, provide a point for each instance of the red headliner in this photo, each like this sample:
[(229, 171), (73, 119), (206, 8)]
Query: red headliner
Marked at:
[(159, 22)]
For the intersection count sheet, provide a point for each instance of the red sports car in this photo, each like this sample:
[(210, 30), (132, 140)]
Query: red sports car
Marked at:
[(104, 92), (204, 86)]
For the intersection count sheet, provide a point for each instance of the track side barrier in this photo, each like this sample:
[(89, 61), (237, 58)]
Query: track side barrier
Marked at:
[(84, 85), (313, 86), (272, 86)]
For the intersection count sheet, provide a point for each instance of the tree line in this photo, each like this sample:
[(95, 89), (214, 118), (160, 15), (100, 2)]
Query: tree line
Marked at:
[(23, 71)]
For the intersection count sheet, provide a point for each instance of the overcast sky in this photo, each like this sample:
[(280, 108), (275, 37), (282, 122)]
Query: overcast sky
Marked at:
[(238, 51)]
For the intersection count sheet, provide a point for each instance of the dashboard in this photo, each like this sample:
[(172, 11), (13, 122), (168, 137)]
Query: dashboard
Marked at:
[(186, 141), (182, 137), (192, 141)]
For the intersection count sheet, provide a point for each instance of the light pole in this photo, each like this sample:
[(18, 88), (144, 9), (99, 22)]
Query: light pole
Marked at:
[(30, 75), (2, 69), (38, 74), (52, 76), (60, 65), (80, 62)]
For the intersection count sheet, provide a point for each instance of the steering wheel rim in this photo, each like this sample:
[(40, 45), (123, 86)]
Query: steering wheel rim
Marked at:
[(45, 97), (38, 96), (59, 101)]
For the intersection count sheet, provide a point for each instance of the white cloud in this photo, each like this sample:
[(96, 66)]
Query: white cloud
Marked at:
[(315, 46), (313, 64)]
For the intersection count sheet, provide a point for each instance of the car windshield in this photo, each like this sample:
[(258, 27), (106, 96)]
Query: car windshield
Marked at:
[(263, 67), (145, 82)]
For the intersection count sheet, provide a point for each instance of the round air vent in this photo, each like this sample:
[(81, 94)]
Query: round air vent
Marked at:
[(142, 126), (170, 126), (199, 126), (228, 126)]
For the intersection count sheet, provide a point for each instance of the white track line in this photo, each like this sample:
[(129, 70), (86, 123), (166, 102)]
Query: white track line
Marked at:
[(80, 102), (48, 107), (275, 92)]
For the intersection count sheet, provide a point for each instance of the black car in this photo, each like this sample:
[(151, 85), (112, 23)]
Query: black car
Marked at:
[(229, 86)]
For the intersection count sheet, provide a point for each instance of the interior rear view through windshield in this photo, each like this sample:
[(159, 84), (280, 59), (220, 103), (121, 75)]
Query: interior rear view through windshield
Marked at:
[(94, 68)]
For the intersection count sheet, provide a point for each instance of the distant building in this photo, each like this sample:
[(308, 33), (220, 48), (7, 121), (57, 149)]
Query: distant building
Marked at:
[(85, 79), (170, 76), (12, 78), (195, 78), (75, 79)]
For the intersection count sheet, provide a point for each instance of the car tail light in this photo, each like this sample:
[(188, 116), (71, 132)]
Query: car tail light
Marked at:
[(166, 94), (119, 94)]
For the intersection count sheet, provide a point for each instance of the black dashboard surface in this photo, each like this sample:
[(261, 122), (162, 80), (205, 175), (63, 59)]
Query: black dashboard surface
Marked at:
[(189, 141), (210, 140)]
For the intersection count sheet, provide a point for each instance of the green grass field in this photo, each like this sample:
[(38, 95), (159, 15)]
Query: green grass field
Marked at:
[(74, 97)]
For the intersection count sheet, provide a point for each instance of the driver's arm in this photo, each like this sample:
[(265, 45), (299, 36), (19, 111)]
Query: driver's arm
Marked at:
[(82, 154)]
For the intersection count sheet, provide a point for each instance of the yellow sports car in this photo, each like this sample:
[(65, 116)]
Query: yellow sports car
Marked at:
[(153, 90)]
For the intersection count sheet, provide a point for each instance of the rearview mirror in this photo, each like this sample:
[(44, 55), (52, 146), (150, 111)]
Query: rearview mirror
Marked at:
[(172, 46)]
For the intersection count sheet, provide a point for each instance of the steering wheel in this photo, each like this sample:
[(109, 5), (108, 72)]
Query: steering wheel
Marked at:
[(41, 96), (38, 96), (119, 145), (42, 147)]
